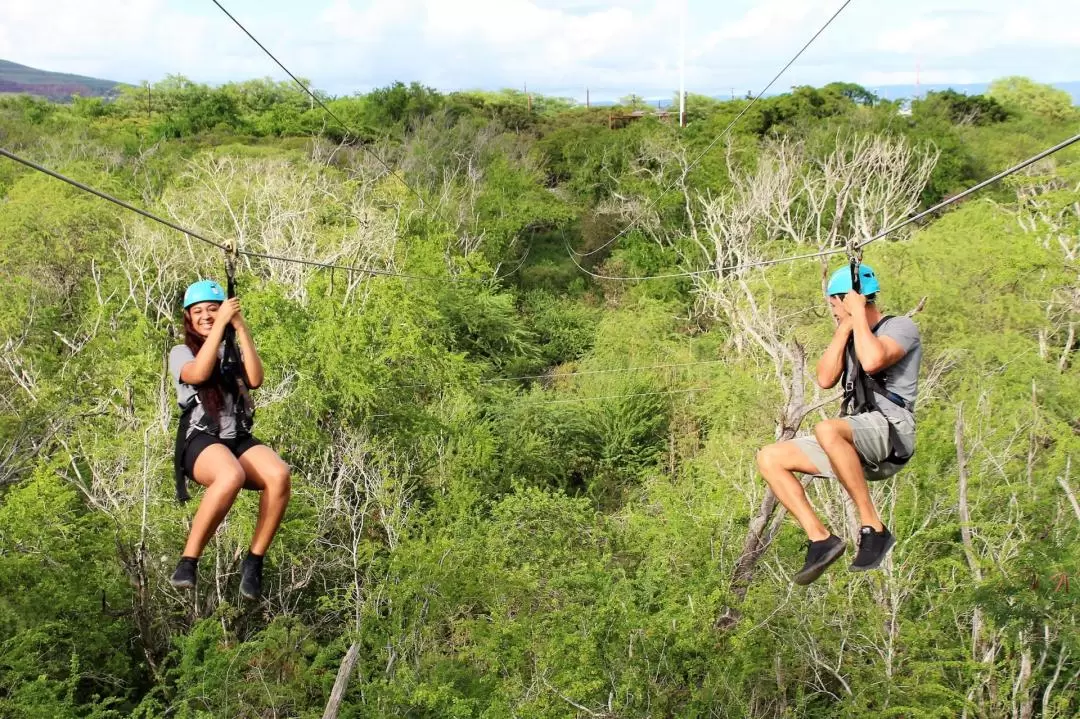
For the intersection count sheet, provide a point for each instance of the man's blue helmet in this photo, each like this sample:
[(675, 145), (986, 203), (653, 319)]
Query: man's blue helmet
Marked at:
[(203, 291), (840, 282)]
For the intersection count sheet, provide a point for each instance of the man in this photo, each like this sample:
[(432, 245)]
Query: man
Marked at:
[(879, 359)]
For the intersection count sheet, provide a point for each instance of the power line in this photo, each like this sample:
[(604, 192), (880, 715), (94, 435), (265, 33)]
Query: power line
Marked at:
[(248, 253), (724, 132), (838, 250), (317, 99), (624, 396), (495, 380), (614, 370), (711, 270)]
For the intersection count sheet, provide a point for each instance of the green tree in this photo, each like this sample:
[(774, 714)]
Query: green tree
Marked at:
[(1025, 96)]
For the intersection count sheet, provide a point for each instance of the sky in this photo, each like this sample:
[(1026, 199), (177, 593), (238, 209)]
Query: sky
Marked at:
[(555, 47)]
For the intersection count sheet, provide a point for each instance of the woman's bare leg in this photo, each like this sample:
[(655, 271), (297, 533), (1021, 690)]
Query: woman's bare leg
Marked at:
[(218, 471), (270, 475)]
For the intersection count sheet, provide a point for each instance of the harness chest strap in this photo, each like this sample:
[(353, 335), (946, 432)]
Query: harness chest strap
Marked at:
[(859, 392)]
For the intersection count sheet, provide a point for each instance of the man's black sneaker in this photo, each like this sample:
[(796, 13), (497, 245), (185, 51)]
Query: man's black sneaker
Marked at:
[(251, 577), (873, 546), (819, 555), (184, 576)]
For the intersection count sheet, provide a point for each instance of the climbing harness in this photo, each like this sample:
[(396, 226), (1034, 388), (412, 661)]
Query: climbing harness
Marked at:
[(859, 398), (860, 387), (231, 375)]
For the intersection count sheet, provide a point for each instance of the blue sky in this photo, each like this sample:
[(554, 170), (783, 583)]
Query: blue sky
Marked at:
[(554, 46)]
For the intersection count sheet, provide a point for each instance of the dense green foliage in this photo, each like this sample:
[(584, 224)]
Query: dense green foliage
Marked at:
[(493, 503)]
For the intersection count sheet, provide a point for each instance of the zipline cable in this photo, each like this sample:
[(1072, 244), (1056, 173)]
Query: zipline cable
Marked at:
[(226, 248), (105, 196), (315, 98), (838, 250), (722, 134), (971, 190)]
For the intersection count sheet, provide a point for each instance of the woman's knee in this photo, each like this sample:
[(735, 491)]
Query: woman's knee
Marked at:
[(229, 478), (278, 479)]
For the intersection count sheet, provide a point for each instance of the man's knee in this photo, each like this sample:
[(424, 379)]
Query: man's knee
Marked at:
[(770, 457), (830, 431)]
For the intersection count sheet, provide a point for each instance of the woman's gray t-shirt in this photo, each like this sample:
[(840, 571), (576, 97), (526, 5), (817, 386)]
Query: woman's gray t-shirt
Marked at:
[(186, 394)]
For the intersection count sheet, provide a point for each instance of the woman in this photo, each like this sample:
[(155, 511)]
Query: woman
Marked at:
[(214, 444)]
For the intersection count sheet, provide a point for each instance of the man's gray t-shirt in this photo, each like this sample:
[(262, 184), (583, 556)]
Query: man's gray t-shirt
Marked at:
[(186, 393), (903, 377)]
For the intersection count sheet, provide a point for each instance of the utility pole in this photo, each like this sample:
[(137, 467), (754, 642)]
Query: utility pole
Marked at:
[(682, 63), (587, 104)]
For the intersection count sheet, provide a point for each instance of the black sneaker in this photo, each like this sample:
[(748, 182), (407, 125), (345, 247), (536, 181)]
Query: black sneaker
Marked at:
[(819, 555), (873, 546), (184, 576), (251, 577)]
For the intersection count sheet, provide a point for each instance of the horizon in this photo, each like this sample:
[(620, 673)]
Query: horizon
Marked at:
[(899, 91), (551, 47)]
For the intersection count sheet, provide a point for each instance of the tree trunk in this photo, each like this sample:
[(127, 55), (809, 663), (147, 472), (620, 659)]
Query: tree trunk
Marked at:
[(756, 542), (341, 683)]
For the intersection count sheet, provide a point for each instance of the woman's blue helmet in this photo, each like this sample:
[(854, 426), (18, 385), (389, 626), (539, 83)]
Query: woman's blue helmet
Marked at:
[(840, 282), (203, 291)]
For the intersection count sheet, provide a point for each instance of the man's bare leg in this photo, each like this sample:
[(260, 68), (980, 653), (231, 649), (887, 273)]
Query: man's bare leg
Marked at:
[(835, 437)]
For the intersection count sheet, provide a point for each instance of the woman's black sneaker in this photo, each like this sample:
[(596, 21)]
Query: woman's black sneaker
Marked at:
[(184, 576), (819, 555), (251, 577), (873, 546)]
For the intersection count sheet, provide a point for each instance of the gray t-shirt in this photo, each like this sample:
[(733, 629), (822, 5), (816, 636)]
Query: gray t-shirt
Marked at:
[(903, 377), (186, 393)]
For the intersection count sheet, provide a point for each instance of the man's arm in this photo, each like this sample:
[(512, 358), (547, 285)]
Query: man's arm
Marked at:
[(831, 365), (875, 353)]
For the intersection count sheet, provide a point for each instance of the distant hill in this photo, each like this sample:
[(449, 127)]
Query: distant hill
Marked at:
[(56, 86)]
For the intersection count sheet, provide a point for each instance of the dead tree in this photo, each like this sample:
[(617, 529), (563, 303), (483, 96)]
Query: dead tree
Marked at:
[(276, 207)]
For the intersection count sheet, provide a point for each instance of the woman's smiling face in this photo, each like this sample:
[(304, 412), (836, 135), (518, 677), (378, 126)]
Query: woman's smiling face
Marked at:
[(202, 317)]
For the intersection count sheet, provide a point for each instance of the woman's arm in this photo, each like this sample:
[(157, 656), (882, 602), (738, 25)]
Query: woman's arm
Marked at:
[(253, 369)]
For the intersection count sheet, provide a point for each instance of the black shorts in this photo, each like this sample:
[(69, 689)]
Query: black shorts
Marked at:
[(199, 441)]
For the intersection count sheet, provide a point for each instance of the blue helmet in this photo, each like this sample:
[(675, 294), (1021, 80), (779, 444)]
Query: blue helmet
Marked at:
[(203, 291), (840, 282)]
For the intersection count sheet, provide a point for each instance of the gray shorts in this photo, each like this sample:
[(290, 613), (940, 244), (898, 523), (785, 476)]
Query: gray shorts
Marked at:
[(871, 434)]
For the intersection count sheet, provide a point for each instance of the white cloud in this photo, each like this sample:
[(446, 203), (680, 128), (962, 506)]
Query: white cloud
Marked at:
[(769, 19), (613, 46)]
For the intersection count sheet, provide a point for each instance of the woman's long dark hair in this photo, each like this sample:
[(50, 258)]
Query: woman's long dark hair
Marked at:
[(213, 396)]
